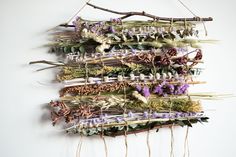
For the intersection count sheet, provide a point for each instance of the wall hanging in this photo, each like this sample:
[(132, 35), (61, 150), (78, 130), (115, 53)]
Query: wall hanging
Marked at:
[(123, 76)]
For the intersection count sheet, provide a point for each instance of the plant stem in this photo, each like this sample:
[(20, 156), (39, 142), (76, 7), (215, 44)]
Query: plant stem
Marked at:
[(129, 14)]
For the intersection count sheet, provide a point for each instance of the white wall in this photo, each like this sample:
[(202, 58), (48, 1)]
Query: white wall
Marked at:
[(25, 130)]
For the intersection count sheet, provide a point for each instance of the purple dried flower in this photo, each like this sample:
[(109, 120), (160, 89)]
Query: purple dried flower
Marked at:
[(154, 115), (190, 114), (184, 88), (164, 115), (181, 89), (119, 20), (194, 113), (130, 114), (98, 120), (158, 90), (177, 115), (145, 114), (178, 91), (93, 29), (110, 54), (146, 92), (103, 116), (111, 29), (171, 88), (118, 119), (138, 88), (116, 20), (163, 83), (181, 114), (94, 121), (133, 51), (113, 20)]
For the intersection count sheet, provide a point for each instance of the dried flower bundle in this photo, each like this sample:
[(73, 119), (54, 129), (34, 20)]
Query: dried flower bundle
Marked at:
[(122, 77)]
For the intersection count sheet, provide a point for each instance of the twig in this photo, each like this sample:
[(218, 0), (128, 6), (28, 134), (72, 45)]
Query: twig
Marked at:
[(51, 67), (47, 62), (128, 14)]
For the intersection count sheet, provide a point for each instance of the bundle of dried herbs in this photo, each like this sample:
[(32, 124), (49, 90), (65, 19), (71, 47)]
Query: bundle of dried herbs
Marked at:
[(121, 77)]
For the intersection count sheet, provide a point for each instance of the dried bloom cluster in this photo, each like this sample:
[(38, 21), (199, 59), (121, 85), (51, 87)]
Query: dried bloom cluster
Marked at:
[(120, 74)]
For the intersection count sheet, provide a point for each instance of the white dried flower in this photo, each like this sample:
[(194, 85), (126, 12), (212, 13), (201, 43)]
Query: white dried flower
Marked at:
[(106, 79), (120, 78), (102, 47), (151, 76), (139, 97), (164, 76), (158, 76), (176, 75), (141, 76), (90, 80), (132, 77), (169, 75), (133, 30)]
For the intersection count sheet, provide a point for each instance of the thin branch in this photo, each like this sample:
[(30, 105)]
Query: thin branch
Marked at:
[(66, 25), (51, 67), (47, 62), (128, 14)]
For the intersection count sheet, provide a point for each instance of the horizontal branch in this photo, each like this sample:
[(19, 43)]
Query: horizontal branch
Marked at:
[(128, 14)]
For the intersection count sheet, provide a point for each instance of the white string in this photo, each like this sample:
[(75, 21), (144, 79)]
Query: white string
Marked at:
[(185, 6), (78, 11)]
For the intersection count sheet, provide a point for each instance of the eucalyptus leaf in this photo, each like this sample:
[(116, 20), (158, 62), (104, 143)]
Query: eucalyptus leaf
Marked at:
[(186, 122), (204, 119), (73, 49), (82, 49), (180, 123)]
